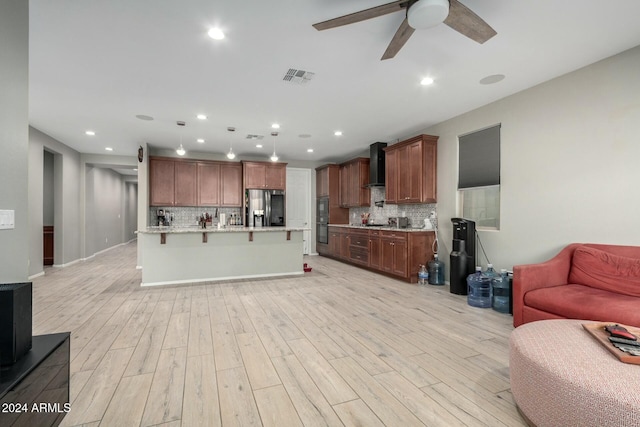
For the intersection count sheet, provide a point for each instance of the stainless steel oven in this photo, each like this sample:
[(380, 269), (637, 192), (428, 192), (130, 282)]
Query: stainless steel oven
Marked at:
[(322, 220)]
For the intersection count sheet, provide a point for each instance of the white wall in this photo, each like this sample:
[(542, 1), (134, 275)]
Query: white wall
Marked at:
[(66, 188), (14, 140), (104, 209), (569, 163)]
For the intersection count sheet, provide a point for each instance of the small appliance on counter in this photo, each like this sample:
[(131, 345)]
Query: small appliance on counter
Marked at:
[(398, 222)]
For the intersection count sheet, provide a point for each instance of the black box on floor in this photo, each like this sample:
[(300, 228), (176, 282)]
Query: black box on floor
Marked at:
[(15, 321)]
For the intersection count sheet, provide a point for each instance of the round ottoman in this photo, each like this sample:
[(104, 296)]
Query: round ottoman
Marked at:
[(561, 376)]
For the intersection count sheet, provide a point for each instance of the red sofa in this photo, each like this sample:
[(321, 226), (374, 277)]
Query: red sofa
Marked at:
[(584, 281)]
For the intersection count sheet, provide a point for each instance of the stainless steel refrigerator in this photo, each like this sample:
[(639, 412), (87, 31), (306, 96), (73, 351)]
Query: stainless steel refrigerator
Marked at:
[(265, 208)]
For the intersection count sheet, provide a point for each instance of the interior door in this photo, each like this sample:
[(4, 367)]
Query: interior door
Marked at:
[(298, 198)]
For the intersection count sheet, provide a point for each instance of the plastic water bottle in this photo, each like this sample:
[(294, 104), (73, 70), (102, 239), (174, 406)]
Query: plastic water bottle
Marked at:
[(423, 276), (490, 272), (436, 271), (479, 289), (501, 292)]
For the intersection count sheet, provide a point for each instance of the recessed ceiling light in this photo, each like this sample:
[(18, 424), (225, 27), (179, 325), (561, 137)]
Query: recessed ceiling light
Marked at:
[(275, 126), (108, 148), (258, 145), (426, 81), (216, 34), (338, 133), (309, 150), (489, 80), (202, 116), (90, 133), (143, 117), (200, 140)]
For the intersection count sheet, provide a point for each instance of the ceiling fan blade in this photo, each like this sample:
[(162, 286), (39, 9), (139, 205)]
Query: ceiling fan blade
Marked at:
[(363, 15), (399, 39), (466, 22)]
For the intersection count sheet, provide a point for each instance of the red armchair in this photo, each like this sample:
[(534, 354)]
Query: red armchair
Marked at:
[(601, 283)]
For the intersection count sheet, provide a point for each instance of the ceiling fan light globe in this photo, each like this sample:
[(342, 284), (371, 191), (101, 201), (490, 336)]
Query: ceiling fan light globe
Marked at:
[(427, 13)]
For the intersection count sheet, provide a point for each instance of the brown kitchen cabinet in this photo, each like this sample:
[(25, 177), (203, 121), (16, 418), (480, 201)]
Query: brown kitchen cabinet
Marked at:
[(265, 175), (219, 184), (181, 182), (395, 253), (186, 187), (338, 243), (172, 182), (411, 171), (208, 184), (231, 194), (328, 196), (161, 182), (359, 246), (354, 178), (375, 250)]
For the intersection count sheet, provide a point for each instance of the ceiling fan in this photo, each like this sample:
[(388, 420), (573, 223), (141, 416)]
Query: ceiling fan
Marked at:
[(420, 14)]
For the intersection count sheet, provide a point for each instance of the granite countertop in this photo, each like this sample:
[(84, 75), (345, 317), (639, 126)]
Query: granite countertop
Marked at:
[(227, 229), (381, 227)]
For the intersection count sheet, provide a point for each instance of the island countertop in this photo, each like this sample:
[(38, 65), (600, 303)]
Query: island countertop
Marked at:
[(214, 229), (383, 228), (177, 255)]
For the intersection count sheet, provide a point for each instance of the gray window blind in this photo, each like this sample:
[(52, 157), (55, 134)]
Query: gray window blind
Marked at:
[(479, 158)]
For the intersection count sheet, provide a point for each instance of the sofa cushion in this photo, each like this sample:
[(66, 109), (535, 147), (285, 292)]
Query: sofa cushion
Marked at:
[(603, 270), (583, 302)]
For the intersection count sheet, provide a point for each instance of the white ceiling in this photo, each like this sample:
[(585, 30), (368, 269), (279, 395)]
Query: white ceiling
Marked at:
[(96, 64)]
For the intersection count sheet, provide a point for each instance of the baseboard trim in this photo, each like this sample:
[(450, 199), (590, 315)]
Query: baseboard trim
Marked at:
[(220, 279), (36, 275)]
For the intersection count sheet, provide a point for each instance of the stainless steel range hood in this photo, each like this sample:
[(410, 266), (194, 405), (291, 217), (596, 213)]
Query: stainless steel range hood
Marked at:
[(376, 164)]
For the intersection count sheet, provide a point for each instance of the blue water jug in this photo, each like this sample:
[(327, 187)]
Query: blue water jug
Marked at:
[(436, 271), (479, 289), (501, 292)]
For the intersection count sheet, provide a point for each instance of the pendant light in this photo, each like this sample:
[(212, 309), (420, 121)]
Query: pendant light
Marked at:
[(231, 155), (181, 151), (274, 156)]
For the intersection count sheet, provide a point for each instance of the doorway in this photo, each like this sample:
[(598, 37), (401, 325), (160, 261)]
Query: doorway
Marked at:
[(48, 211), (299, 203)]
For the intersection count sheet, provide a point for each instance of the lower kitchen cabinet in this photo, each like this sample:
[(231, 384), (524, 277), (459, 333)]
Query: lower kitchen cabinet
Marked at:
[(393, 252), (359, 246), (375, 250)]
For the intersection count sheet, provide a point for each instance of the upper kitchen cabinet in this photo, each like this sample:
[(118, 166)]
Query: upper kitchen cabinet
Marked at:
[(186, 178), (411, 170), (172, 182), (272, 176), (328, 186), (231, 184), (181, 182), (219, 184), (208, 184), (161, 182), (354, 177)]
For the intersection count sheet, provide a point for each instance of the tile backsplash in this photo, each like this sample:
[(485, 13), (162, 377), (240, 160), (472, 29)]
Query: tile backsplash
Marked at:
[(185, 216), (379, 215)]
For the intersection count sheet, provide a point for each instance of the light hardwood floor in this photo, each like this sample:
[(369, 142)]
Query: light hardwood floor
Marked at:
[(338, 346)]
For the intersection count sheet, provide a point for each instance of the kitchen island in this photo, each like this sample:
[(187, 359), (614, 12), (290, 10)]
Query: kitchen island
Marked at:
[(175, 255)]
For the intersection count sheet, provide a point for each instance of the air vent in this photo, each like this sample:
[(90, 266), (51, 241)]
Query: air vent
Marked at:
[(299, 77), (251, 136)]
